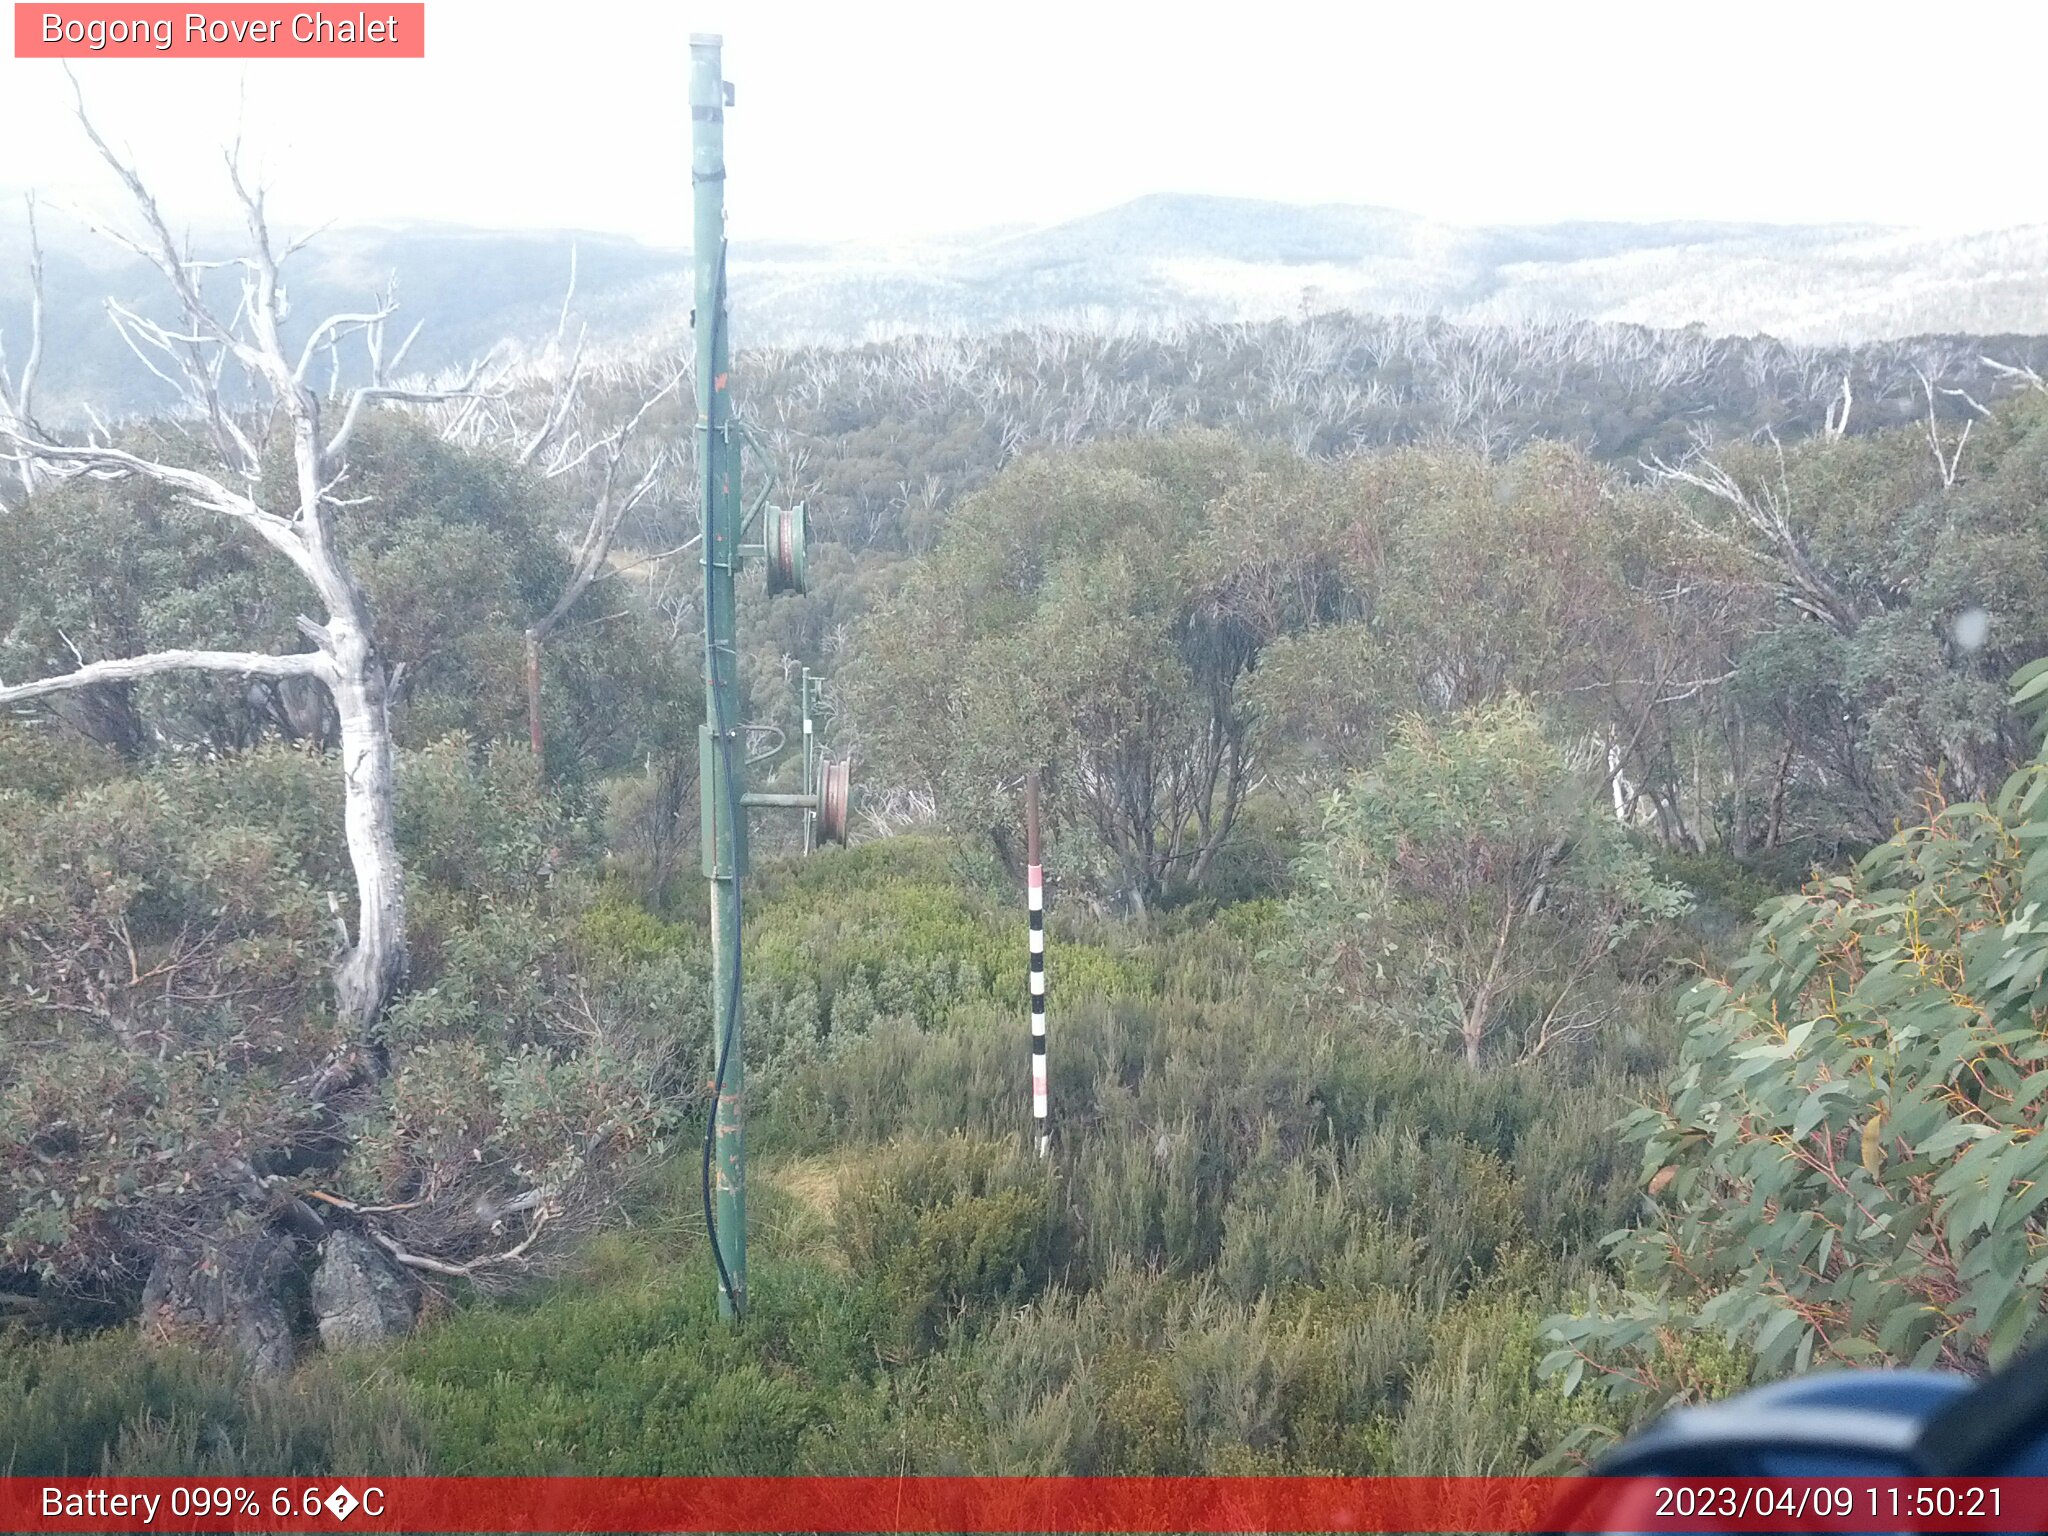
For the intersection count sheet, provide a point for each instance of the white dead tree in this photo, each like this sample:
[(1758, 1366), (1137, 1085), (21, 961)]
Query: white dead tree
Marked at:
[(1760, 527), (551, 426), (193, 354), (18, 392), (618, 492), (1948, 462), (2020, 374), (1837, 422)]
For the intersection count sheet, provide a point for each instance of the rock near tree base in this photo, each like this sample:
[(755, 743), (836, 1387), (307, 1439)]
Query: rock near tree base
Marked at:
[(233, 1289), (359, 1295)]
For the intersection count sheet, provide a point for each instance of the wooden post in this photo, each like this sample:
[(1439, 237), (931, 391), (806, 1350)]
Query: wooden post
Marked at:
[(533, 689)]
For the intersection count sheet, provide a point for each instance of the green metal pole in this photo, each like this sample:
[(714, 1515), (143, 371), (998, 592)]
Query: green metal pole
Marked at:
[(720, 762)]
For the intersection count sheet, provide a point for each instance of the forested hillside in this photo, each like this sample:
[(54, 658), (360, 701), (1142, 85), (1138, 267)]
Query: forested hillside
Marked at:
[(1155, 264), (1425, 713)]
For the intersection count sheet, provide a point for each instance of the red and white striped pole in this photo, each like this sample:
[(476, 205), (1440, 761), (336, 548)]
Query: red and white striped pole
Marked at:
[(1034, 879)]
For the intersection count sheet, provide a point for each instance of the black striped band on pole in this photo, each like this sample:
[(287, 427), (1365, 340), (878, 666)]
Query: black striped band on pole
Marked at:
[(1040, 1101), (1034, 891)]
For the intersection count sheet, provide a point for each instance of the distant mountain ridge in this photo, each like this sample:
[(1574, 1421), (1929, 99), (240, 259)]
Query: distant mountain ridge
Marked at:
[(1156, 259)]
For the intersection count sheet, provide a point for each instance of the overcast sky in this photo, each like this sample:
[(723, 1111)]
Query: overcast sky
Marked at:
[(878, 119)]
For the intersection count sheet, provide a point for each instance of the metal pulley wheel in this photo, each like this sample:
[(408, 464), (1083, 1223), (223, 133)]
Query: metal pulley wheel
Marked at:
[(835, 790), (784, 539)]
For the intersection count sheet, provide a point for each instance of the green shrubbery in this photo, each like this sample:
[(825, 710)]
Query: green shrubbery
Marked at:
[(117, 1405), (1284, 1227), (1259, 1247), (946, 1231), (1472, 889), (161, 976), (164, 940), (1848, 1165)]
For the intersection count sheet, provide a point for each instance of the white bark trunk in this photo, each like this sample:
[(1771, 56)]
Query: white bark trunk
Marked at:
[(373, 970)]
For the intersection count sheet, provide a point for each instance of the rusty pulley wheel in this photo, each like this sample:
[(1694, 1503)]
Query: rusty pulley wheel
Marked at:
[(835, 790), (785, 549)]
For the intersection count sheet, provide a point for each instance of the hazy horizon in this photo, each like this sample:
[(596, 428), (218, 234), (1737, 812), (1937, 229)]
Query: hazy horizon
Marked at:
[(227, 223), (910, 122)]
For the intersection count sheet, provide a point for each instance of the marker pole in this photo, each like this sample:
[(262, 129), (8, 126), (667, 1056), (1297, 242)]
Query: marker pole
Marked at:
[(1034, 877)]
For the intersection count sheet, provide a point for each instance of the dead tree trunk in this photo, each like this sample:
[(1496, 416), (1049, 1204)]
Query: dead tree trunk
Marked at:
[(18, 394), (533, 730), (227, 1272), (370, 967), (567, 443), (1478, 1012), (373, 970), (612, 501)]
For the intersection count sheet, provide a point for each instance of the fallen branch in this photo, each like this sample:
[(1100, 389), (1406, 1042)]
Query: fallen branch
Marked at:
[(364, 1210), (434, 1266)]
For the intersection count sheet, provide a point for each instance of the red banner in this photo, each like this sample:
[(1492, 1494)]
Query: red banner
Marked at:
[(232, 31), (1023, 1504)]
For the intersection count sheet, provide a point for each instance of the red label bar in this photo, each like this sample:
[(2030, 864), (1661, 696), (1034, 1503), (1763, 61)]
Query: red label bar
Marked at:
[(1004, 1505), (231, 31)]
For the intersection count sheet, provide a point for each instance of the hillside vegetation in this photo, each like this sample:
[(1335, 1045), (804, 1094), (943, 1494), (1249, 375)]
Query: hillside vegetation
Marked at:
[(1453, 745)]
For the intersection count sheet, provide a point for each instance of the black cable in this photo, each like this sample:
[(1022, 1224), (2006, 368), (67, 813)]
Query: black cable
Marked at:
[(732, 1013), (732, 802)]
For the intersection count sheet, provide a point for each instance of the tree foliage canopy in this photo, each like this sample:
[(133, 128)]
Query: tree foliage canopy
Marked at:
[(1848, 1165), (1098, 617), (1473, 885)]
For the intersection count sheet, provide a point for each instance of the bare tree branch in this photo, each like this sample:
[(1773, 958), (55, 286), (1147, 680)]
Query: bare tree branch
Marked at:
[(162, 251), (654, 559), (157, 663), (1766, 512), (369, 394), (565, 396), (1838, 413), (1946, 463), (17, 398), (332, 329), (99, 461), (2020, 374)]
